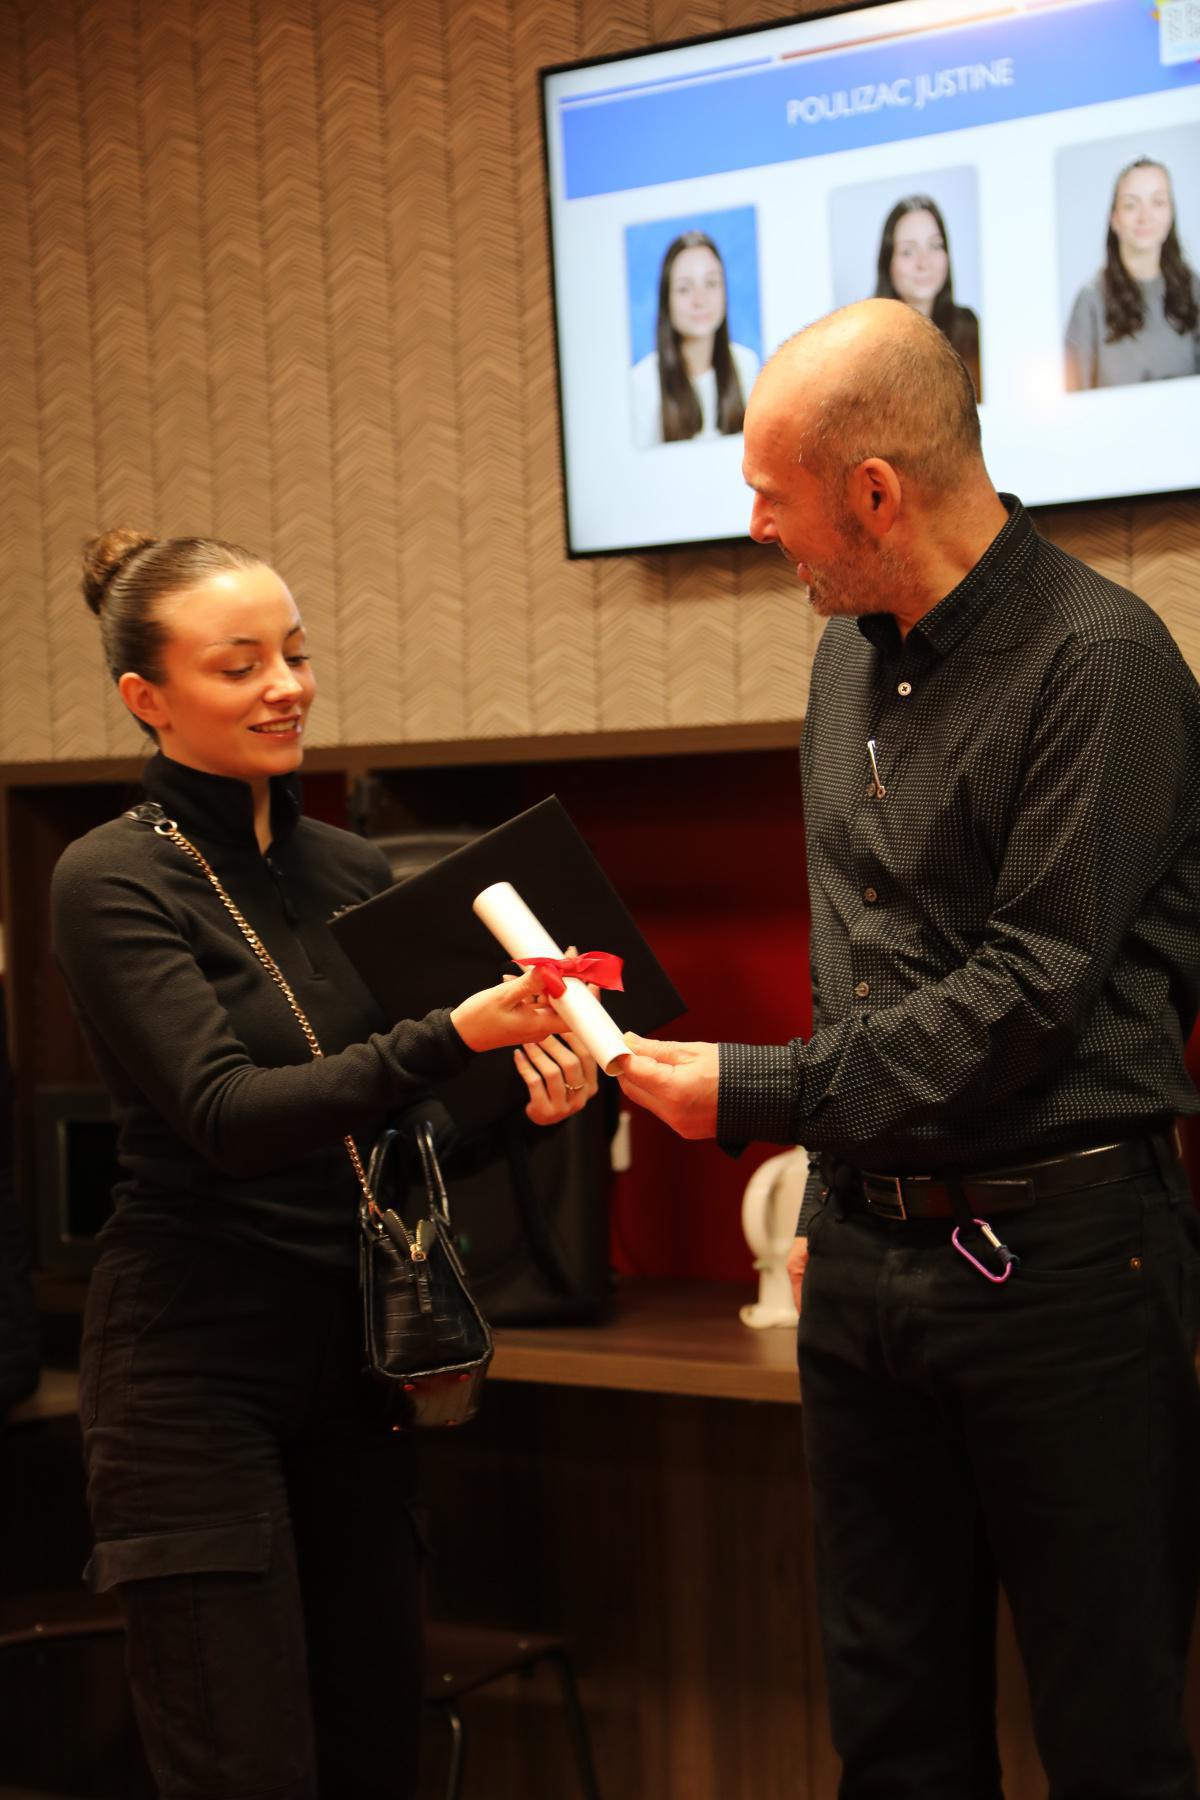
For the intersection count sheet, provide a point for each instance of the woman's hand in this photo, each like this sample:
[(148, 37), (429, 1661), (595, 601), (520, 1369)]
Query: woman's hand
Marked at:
[(560, 1075), (515, 1011)]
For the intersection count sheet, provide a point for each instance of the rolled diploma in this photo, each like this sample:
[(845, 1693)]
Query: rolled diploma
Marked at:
[(510, 921)]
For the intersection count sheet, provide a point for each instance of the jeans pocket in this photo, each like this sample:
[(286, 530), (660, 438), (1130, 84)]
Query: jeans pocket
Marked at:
[(215, 1655), (161, 1285), (242, 1547), (1089, 1241)]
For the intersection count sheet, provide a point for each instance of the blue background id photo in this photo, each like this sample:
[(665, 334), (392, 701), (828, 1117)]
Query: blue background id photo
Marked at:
[(735, 233)]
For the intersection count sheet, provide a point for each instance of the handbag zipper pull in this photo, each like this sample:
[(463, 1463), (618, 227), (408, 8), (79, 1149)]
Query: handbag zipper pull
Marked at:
[(421, 1271), (393, 1224)]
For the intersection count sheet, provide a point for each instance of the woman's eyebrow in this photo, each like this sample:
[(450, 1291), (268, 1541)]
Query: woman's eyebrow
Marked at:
[(220, 643)]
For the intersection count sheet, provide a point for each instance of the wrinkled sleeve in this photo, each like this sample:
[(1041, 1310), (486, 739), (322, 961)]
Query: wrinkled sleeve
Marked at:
[(134, 980)]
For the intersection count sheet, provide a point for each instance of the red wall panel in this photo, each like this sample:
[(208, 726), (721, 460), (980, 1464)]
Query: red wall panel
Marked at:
[(708, 853)]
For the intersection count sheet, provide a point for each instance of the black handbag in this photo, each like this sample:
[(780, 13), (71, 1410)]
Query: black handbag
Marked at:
[(531, 1207), (425, 1336), (531, 1224)]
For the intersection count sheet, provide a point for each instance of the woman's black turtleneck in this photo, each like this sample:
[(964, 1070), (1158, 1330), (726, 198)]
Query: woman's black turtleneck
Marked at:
[(227, 1123)]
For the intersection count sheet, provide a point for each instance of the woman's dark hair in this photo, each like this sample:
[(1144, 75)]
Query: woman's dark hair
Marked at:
[(956, 323), (1124, 308), (681, 416), (125, 576), (944, 308)]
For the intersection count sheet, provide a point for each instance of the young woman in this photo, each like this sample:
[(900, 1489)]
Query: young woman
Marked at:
[(696, 383), (250, 1496), (914, 266), (1138, 319)]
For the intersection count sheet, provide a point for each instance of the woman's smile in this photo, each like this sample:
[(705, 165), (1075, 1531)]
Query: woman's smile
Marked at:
[(289, 727)]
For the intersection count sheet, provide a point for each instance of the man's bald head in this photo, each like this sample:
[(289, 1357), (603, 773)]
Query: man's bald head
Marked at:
[(876, 379)]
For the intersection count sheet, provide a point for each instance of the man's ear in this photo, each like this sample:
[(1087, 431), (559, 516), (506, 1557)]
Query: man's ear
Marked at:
[(144, 700), (875, 495)]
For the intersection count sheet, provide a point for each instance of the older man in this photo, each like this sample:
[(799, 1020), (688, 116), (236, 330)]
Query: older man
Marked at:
[(1001, 769)]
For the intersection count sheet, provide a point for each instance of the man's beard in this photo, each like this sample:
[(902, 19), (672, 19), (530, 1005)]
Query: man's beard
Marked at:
[(869, 576)]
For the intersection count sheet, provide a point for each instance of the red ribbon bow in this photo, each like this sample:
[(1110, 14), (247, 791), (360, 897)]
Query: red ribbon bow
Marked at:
[(600, 967)]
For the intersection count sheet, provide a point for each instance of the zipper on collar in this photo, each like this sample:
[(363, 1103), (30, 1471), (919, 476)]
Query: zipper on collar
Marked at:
[(289, 911)]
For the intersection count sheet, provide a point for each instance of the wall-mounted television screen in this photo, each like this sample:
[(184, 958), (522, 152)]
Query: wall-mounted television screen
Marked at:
[(1029, 174)]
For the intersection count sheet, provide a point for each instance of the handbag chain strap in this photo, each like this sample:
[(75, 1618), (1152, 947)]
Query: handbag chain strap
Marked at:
[(167, 828)]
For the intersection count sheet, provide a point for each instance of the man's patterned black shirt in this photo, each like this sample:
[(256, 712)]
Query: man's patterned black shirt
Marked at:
[(1005, 946)]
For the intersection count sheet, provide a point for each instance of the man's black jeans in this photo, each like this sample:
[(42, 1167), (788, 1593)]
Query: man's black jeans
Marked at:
[(1046, 1432), (256, 1510)]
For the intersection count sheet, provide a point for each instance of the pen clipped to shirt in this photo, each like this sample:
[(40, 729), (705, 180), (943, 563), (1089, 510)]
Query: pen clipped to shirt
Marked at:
[(877, 788)]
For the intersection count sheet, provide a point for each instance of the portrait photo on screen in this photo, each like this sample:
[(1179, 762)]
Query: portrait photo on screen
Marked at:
[(695, 324), (915, 238), (1128, 228)]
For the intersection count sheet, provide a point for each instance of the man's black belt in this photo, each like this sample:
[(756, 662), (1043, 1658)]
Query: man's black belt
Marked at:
[(1008, 1190)]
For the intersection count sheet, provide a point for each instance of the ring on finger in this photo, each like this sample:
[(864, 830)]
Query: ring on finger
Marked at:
[(574, 1090)]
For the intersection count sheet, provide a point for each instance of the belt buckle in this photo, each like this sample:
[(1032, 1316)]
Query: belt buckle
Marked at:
[(888, 1203)]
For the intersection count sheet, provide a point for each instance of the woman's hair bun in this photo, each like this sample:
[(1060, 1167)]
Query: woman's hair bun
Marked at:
[(104, 555)]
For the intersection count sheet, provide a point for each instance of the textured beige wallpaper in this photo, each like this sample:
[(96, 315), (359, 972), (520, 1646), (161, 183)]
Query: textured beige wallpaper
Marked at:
[(278, 271)]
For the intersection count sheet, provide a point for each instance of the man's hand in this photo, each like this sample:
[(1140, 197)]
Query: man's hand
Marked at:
[(796, 1264), (677, 1082)]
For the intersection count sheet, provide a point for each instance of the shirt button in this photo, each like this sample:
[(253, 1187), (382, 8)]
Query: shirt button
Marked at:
[(862, 989), (870, 896), (904, 689)]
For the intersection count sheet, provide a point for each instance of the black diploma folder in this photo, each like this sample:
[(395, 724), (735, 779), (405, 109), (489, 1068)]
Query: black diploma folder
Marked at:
[(419, 945)]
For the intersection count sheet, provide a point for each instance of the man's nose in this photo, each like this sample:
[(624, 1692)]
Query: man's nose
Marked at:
[(762, 526)]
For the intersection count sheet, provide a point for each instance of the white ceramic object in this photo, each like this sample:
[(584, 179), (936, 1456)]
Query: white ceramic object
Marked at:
[(770, 1208)]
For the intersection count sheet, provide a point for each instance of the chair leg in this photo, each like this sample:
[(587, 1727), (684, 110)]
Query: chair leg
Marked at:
[(458, 1748), (577, 1726)]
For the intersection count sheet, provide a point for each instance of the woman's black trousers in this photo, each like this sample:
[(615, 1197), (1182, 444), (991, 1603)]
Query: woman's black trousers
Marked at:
[(256, 1509)]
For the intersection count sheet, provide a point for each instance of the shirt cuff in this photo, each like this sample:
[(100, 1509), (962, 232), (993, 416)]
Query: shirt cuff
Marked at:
[(757, 1094)]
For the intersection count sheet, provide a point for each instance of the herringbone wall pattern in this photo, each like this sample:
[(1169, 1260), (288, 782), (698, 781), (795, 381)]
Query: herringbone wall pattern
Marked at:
[(277, 269)]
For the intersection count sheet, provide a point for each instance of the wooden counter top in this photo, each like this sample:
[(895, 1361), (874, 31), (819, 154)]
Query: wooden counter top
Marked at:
[(663, 1337), (56, 1397)]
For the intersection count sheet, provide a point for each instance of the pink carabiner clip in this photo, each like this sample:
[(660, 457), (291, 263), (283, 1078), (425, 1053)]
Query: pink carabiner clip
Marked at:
[(1010, 1261)]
